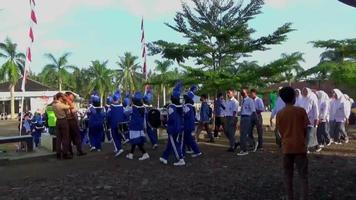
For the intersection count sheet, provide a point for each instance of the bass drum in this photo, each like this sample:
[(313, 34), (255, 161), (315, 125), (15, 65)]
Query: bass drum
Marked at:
[(154, 118)]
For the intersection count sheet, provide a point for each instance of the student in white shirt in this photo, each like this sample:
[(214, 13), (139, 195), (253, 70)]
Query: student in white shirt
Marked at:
[(324, 110), (231, 110), (310, 105), (298, 98), (338, 117), (247, 110), (257, 120)]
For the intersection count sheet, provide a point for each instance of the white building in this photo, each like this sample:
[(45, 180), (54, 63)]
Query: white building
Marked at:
[(37, 96)]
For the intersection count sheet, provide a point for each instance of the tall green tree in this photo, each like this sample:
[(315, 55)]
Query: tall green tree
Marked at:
[(57, 69), (101, 78), (129, 78), (219, 36), (337, 62), (12, 69)]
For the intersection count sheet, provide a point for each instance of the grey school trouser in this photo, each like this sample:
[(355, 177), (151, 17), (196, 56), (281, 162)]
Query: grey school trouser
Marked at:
[(245, 129), (230, 130)]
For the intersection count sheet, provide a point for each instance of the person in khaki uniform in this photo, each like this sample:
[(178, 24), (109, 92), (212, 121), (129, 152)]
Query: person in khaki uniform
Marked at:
[(61, 108)]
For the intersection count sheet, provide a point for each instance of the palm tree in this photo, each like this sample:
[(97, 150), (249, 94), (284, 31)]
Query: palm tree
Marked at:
[(162, 67), (129, 78), (12, 68), (102, 78), (57, 68)]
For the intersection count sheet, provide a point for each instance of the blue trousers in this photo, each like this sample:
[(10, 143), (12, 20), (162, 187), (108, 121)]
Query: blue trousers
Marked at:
[(173, 147), (152, 134), (189, 142), (36, 137), (116, 136), (95, 136)]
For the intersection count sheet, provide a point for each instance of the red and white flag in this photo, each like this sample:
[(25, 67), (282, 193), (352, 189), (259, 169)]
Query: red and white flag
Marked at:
[(31, 36), (144, 56)]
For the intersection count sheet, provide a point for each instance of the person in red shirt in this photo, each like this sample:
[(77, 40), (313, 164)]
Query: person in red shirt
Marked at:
[(292, 123)]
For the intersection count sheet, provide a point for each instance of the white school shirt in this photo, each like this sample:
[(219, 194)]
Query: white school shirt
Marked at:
[(279, 106), (310, 105), (259, 104), (231, 106), (338, 110), (247, 106)]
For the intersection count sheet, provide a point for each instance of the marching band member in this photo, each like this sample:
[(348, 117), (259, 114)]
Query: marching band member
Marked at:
[(174, 128), (338, 116), (124, 126), (38, 129), (324, 108), (136, 127), (189, 123), (115, 116), (151, 132), (96, 123), (107, 127)]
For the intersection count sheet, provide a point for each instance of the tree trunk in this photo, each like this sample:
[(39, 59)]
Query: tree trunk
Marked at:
[(164, 95), (101, 99), (290, 83), (158, 106), (59, 83), (12, 96)]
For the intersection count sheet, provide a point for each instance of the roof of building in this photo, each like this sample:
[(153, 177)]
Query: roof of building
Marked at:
[(31, 85)]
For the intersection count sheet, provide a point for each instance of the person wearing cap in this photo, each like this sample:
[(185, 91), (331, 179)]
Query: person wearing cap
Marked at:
[(107, 126), (74, 131), (189, 124), (136, 128), (38, 129), (115, 116), (175, 128), (96, 123), (123, 127), (61, 108), (151, 132)]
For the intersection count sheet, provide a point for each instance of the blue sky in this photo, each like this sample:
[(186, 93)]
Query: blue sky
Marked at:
[(105, 29)]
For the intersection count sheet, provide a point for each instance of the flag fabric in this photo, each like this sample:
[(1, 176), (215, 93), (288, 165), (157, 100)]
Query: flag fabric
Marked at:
[(33, 17), (144, 56), (31, 36)]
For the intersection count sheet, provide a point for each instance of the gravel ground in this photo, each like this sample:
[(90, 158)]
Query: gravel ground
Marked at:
[(216, 175)]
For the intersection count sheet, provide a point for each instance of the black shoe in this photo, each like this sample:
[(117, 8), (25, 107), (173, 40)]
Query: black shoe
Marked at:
[(59, 156), (236, 145), (81, 153), (230, 150)]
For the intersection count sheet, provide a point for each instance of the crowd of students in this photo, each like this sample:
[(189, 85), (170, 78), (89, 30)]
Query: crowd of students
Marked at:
[(328, 116)]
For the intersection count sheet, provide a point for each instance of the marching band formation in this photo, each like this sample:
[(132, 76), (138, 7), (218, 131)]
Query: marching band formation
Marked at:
[(132, 118)]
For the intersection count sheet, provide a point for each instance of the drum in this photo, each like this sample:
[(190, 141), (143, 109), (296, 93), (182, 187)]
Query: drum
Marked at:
[(154, 118)]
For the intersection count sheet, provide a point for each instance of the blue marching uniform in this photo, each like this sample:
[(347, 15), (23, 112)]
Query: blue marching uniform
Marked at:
[(174, 130), (37, 130), (189, 128), (96, 127), (115, 116), (136, 125), (151, 132)]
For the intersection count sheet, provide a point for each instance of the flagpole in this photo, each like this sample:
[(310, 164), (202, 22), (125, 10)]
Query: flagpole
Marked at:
[(33, 20)]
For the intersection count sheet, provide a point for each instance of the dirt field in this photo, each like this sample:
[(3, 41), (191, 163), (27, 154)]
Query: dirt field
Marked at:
[(216, 175)]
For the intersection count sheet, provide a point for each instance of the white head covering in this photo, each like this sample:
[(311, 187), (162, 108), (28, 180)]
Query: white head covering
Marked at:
[(299, 98), (339, 95)]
